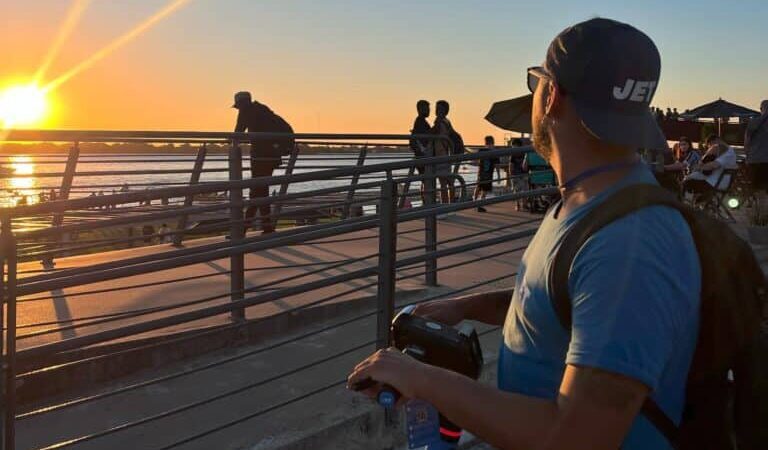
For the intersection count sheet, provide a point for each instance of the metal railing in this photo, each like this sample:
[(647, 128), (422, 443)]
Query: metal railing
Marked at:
[(380, 269)]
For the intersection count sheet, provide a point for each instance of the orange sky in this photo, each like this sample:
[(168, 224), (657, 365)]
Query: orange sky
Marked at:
[(339, 66)]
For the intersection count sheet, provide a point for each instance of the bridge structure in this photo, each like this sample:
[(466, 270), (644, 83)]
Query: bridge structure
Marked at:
[(216, 336)]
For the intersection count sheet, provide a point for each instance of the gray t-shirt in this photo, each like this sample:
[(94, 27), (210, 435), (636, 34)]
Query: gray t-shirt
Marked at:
[(756, 140)]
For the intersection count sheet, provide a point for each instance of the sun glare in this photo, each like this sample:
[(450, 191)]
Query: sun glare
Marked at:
[(22, 105)]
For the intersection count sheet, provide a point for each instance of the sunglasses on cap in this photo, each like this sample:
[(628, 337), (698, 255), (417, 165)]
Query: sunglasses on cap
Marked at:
[(535, 74)]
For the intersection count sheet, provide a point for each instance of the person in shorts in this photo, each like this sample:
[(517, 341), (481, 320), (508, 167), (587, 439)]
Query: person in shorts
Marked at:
[(485, 168)]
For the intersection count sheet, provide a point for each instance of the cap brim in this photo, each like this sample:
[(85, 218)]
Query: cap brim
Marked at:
[(628, 130)]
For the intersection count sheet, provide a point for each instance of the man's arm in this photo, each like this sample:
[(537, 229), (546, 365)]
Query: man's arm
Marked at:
[(712, 165), (675, 166), (594, 409), (487, 307), (241, 126)]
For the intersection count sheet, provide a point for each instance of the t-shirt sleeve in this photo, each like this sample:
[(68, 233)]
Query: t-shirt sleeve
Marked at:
[(634, 287), (728, 160)]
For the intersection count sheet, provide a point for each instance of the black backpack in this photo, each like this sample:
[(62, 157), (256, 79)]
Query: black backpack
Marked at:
[(727, 391), (458, 143)]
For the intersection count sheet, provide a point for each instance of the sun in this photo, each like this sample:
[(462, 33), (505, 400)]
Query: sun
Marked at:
[(23, 105)]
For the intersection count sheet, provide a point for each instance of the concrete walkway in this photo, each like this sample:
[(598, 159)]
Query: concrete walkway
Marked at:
[(302, 424), (208, 404), (268, 266)]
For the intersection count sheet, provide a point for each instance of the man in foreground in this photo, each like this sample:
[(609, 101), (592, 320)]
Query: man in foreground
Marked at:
[(266, 154), (635, 285)]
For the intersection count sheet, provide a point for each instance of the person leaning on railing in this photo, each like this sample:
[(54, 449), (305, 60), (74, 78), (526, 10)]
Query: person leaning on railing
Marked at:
[(634, 285), (266, 154)]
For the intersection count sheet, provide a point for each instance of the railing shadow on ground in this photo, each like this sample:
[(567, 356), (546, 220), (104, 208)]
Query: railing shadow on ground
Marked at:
[(246, 304)]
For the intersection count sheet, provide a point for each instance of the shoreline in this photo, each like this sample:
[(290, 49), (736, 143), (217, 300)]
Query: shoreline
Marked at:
[(185, 149)]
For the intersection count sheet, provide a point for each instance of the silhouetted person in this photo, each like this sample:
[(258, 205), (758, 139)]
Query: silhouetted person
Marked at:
[(420, 126), (443, 127), (419, 146), (266, 154), (485, 173), (668, 115), (675, 114)]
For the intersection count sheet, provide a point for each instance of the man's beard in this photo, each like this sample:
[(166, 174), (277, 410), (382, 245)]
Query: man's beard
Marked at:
[(541, 139)]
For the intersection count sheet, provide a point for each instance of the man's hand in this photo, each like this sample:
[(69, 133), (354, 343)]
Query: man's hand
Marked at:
[(392, 367)]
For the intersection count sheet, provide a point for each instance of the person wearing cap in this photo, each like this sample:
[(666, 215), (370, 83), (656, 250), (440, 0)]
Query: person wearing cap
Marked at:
[(634, 285), (266, 154)]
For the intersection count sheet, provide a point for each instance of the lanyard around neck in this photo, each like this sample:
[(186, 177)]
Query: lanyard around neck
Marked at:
[(589, 173)]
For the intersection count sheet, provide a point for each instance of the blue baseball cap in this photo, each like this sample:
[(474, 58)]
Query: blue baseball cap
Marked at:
[(610, 72)]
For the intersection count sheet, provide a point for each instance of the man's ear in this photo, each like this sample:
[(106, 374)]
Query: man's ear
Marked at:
[(554, 99)]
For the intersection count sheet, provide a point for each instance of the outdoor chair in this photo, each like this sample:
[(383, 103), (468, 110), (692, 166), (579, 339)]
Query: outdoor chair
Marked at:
[(540, 177), (714, 203)]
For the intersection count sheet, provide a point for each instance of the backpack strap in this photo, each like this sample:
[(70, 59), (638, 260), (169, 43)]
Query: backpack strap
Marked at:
[(618, 205)]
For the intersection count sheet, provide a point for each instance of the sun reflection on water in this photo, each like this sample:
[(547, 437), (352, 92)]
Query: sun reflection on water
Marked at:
[(19, 189)]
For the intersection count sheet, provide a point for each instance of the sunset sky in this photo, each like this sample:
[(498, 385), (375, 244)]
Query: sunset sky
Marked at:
[(354, 65)]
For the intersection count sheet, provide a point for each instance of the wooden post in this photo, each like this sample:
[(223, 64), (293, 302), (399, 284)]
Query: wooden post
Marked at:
[(406, 188), (66, 186), (387, 263), (236, 231), (277, 206), (355, 179), (8, 244), (190, 199)]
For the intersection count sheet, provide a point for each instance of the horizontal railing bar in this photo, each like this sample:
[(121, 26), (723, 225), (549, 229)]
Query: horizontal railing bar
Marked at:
[(82, 203), (191, 210), (112, 270), (180, 258), (117, 135), (128, 330), (220, 362), (190, 316)]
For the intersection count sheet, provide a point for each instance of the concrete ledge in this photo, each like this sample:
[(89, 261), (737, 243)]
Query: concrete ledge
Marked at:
[(70, 371), (362, 427)]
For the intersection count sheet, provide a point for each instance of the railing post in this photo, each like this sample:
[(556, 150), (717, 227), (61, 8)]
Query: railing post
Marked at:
[(387, 259), (277, 206), (406, 187), (430, 224), (355, 179), (9, 297), (190, 199), (237, 230), (66, 186), (3, 360)]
